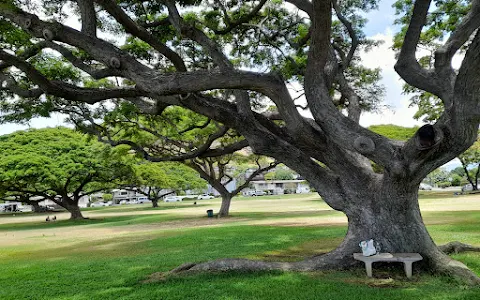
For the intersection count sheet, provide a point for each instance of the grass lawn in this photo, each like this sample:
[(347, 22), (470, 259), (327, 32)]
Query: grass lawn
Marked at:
[(113, 255)]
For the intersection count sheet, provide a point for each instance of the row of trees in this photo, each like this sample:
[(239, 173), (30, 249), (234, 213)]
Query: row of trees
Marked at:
[(62, 165), (227, 61)]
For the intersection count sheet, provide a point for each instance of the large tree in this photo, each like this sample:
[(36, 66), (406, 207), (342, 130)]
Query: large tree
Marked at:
[(222, 59), (58, 164)]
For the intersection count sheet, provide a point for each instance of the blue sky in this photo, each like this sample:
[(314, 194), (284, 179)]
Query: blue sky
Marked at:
[(381, 19)]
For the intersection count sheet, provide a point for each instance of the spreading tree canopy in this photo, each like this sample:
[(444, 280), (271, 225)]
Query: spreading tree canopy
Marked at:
[(175, 134), (58, 164), (230, 60)]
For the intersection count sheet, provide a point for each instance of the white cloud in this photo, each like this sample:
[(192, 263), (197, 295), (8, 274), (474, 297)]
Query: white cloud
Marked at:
[(383, 57)]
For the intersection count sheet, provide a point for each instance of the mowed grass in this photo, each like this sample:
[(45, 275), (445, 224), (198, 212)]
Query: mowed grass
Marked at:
[(113, 256)]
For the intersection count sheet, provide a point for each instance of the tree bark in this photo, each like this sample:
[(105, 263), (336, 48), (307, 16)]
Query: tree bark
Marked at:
[(36, 207), (154, 203), (75, 212), (225, 207), (72, 207)]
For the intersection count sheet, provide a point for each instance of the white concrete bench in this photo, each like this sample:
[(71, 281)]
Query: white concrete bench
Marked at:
[(407, 258)]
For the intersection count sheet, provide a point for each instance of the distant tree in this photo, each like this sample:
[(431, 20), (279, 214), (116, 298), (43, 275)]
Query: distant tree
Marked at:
[(438, 176), (471, 157), (26, 198), (107, 197), (175, 134), (460, 171), (153, 179), (218, 171), (281, 172), (457, 180), (58, 164)]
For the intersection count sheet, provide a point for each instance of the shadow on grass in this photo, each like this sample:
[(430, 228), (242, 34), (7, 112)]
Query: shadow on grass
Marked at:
[(116, 209), (110, 221), (114, 269)]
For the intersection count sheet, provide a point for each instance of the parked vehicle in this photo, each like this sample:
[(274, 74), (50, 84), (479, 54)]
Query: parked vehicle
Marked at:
[(143, 200), (467, 187), (98, 204), (132, 202), (204, 196), (425, 187), (123, 202), (172, 199), (254, 193), (109, 203)]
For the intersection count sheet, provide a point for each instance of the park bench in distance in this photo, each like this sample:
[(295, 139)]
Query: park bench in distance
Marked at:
[(407, 258)]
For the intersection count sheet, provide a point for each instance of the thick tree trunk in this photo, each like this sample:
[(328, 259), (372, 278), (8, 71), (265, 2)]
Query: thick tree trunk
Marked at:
[(75, 212), (72, 207), (225, 207), (36, 207), (387, 212), (154, 202)]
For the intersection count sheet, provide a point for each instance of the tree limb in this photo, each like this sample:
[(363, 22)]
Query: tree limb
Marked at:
[(136, 30), (407, 65), (66, 90), (243, 19), (88, 16), (351, 33), (257, 172), (461, 34), (77, 62)]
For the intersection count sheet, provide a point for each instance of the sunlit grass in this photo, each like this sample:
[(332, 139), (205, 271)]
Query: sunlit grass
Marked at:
[(124, 251)]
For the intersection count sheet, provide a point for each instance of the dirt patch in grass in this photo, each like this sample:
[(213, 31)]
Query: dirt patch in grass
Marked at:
[(54, 236)]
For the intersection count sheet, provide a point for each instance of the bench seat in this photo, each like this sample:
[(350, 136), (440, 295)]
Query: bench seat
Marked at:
[(407, 258)]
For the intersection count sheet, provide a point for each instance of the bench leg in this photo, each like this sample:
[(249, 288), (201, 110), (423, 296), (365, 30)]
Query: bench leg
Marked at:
[(408, 268), (368, 266)]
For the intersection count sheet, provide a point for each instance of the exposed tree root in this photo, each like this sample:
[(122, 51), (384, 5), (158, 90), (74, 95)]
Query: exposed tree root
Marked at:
[(457, 247), (437, 260), (329, 261)]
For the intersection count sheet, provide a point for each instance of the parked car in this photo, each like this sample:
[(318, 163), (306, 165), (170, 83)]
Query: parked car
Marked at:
[(98, 204), (109, 203), (132, 202), (172, 199), (143, 200), (254, 193), (467, 187), (123, 202), (425, 187), (204, 196)]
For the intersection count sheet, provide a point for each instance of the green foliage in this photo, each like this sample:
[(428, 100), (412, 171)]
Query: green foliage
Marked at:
[(53, 68), (138, 48), (457, 180), (458, 171), (444, 184), (281, 173), (438, 176), (443, 18), (394, 132), (57, 161), (107, 197), (166, 175)]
